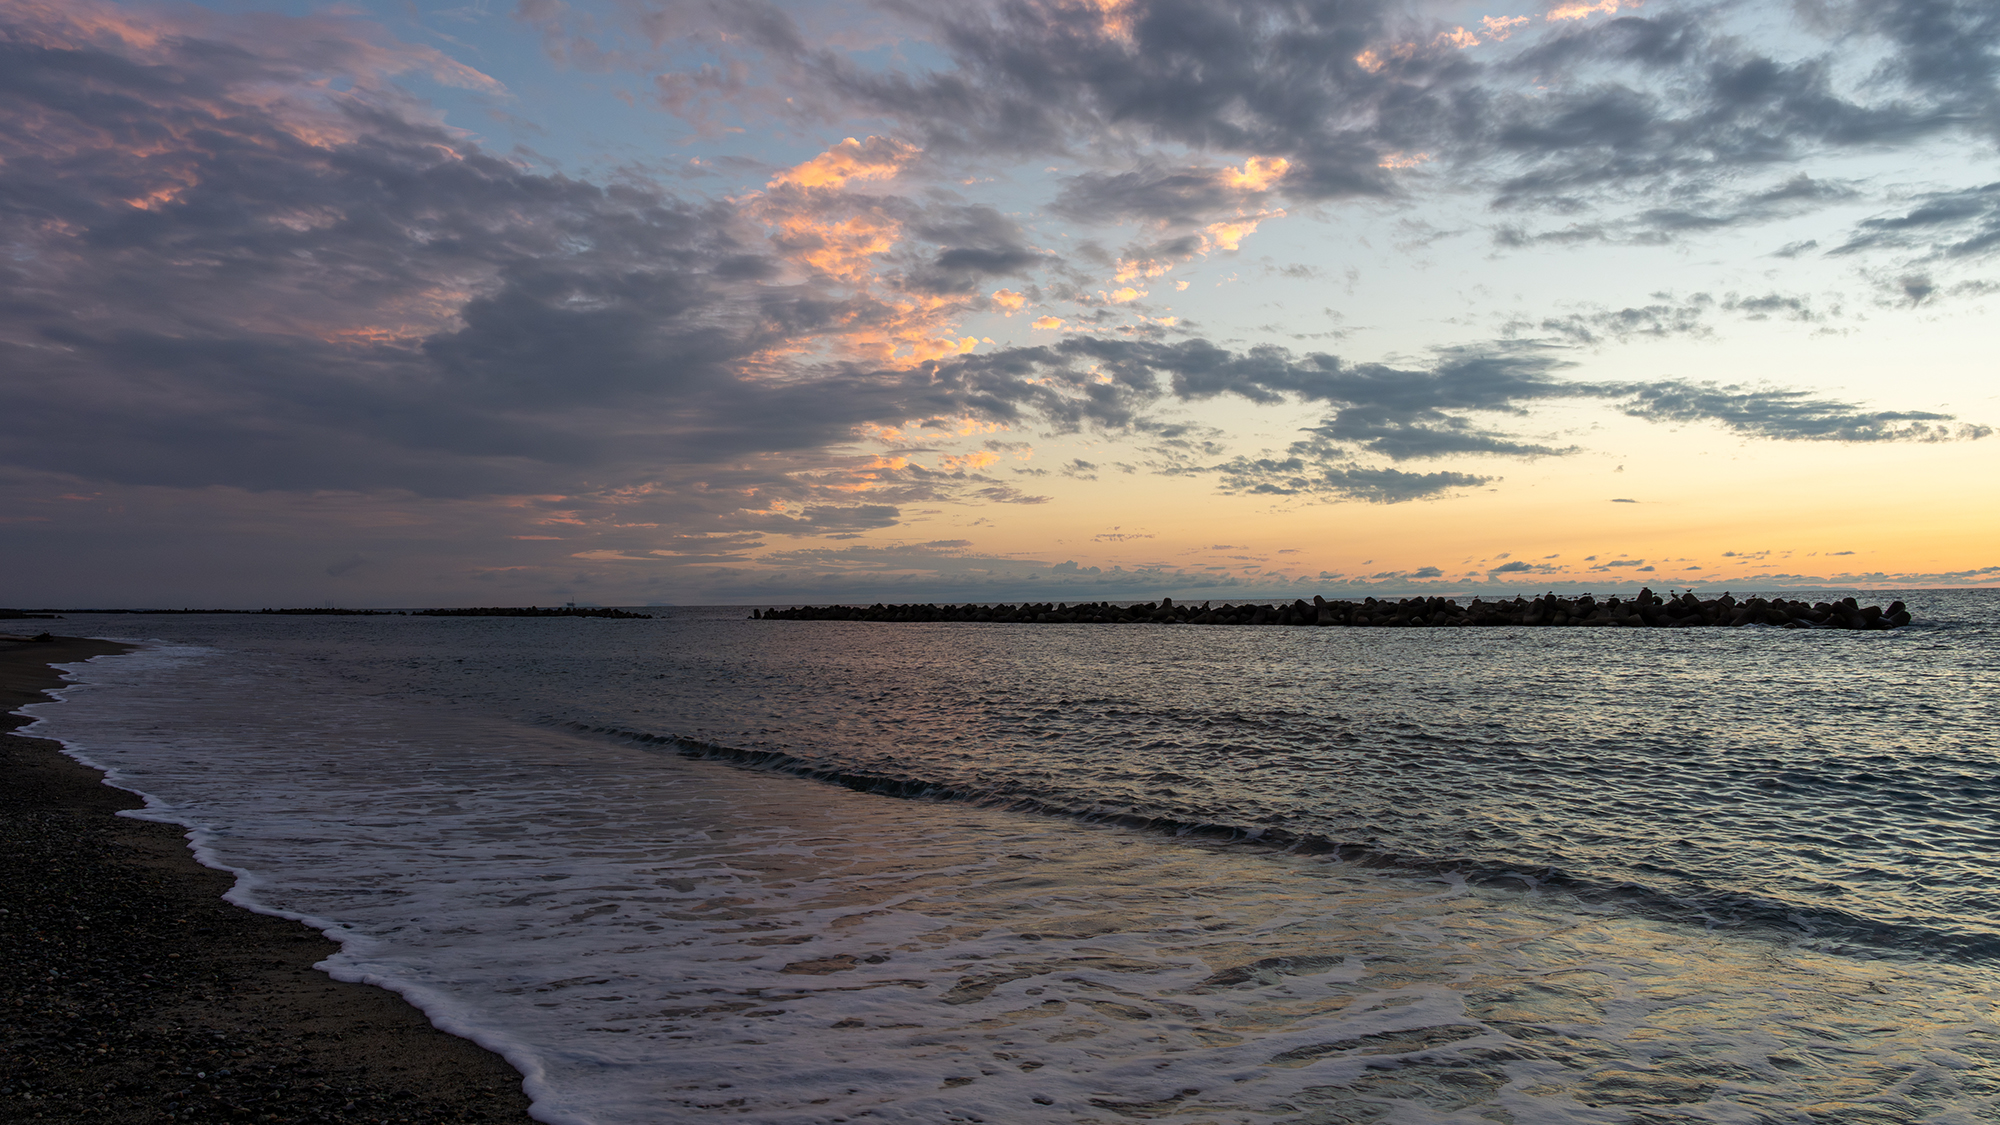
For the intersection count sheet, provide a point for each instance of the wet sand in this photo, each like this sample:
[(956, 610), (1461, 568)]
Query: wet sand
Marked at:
[(131, 992)]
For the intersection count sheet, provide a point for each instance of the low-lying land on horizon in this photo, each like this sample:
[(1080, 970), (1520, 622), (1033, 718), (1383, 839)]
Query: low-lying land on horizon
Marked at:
[(329, 611)]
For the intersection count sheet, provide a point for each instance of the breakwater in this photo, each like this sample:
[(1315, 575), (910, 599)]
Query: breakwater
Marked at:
[(1644, 610), (533, 611)]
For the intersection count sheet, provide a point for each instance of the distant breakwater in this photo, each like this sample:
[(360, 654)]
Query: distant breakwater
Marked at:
[(1645, 610)]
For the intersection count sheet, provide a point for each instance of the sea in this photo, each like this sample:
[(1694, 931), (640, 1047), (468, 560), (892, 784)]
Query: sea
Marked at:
[(706, 868)]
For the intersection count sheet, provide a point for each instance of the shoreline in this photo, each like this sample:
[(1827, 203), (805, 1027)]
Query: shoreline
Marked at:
[(134, 993)]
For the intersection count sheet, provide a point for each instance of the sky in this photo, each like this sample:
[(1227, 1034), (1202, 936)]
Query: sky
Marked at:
[(626, 302)]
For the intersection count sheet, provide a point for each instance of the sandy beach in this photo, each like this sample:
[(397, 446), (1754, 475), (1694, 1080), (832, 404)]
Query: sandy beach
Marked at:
[(134, 993)]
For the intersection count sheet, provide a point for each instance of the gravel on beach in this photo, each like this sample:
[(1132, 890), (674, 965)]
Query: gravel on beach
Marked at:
[(131, 992)]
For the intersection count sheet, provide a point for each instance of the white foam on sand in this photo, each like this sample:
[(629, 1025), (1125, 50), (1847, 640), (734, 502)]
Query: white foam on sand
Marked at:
[(652, 938)]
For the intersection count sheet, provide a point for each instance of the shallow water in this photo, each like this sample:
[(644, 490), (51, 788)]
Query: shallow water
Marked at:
[(652, 937)]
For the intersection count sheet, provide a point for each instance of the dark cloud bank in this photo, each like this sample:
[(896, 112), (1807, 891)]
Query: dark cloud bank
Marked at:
[(1653, 104), (212, 287)]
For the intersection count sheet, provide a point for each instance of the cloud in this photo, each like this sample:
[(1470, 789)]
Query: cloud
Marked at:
[(1948, 224), (1612, 112), (1189, 197), (1314, 470), (1599, 325), (978, 244), (823, 520), (1401, 412), (1788, 415), (877, 158), (707, 547), (1627, 123), (1668, 317), (243, 264), (302, 284)]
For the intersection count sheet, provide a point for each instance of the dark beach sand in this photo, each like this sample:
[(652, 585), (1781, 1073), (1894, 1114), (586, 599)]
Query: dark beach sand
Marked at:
[(130, 992)]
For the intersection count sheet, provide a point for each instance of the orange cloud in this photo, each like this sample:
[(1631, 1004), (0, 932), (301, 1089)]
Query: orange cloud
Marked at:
[(843, 248), (1396, 161), (970, 462), (1048, 323), (1257, 174), (836, 237), (1585, 11), (1229, 235), (1131, 269), (1497, 29), (877, 158), (921, 350), (1114, 18)]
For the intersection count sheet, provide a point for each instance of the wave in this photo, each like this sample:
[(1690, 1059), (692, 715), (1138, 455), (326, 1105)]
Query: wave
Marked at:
[(1822, 928)]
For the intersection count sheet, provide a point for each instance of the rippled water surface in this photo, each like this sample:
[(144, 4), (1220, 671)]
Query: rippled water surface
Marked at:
[(1544, 875)]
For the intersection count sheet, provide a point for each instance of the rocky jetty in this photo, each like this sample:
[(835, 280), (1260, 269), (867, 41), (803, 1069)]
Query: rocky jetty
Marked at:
[(1645, 610)]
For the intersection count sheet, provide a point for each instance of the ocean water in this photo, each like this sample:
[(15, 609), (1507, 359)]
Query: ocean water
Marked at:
[(705, 868)]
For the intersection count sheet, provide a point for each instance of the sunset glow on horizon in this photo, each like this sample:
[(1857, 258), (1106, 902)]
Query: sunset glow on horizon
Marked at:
[(634, 302)]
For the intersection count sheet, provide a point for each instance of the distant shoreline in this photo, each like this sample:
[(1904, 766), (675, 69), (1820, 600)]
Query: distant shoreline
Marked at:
[(128, 972), (475, 611)]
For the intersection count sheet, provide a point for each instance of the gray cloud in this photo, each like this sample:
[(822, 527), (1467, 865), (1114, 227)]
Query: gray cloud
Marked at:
[(727, 547), (1317, 468), (1598, 325), (1435, 434), (1790, 415), (978, 244), (824, 520), (1607, 114), (1643, 103), (1950, 224), (1401, 413), (1233, 76), (321, 291), (1688, 316), (1172, 197), (1707, 203), (1405, 412)]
